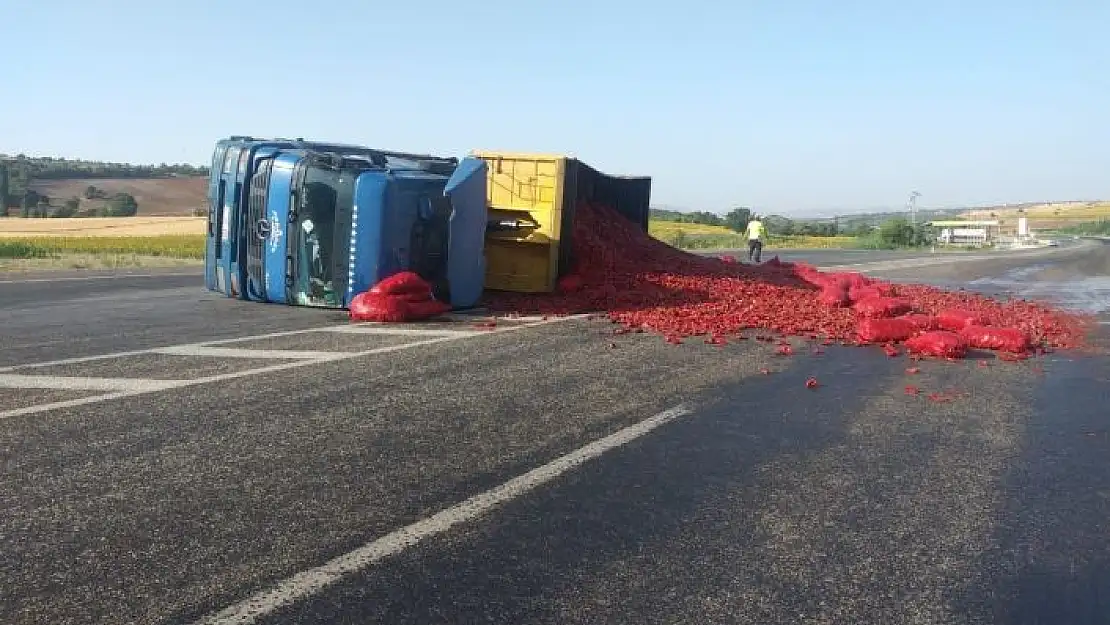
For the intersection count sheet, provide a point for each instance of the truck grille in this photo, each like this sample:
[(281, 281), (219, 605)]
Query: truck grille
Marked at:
[(258, 228)]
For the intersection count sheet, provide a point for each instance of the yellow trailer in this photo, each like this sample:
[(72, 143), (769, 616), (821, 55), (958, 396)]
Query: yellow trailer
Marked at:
[(531, 203)]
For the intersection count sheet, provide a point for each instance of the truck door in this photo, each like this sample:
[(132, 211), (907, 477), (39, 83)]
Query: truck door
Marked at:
[(215, 206), (239, 227), (319, 233), (279, 197), (466, 263), (225, 276)]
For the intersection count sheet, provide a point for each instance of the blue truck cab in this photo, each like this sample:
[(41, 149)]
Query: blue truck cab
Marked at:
[(314, 224), (232, 165)]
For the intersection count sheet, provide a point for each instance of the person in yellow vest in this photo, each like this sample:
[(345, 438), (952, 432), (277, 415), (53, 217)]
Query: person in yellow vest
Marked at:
[(755, 232)]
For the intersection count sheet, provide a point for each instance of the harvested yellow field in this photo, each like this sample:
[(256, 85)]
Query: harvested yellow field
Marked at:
[(1044, 216), (102, 227)]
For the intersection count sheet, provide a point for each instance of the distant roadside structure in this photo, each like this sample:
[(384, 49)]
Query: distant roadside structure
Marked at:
[(979, 233)]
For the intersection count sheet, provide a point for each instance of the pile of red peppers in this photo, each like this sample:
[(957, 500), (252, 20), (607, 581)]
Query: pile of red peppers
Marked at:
[(645, 285)]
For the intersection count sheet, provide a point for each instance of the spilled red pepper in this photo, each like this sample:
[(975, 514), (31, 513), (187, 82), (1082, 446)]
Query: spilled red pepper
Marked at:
[(643, 283)]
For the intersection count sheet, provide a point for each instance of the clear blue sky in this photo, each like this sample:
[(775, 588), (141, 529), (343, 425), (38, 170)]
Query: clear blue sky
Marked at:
[(792, 106)]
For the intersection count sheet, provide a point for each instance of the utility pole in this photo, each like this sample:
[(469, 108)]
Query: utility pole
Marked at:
[(913, 207)]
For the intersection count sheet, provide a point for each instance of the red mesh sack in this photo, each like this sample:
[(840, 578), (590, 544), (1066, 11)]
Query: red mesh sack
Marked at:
[(923, 322), (378, 307), (886, 330), (939, 343), (885, 289), (1010, 340), (570, 283), (851, 279), (882, 307), (859, 294), (426, 309), (833, 295), (955, 319), (403, 283)]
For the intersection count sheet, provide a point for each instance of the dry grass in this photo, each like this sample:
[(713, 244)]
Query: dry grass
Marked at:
[(155, 196), (662, 229), (102, 227)]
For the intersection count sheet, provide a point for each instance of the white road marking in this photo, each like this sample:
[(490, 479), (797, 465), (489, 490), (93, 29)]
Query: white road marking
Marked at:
[(232, 352), (74, 383), (312, 581), (116, 277), (223, 377), (363, 328), (366, 328), (140, 352)]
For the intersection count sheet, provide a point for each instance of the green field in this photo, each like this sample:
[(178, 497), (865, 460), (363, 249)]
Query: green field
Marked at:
[(100, 252)]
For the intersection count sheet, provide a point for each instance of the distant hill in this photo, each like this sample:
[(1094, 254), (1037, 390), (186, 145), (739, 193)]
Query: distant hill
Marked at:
[(51, 182), (176, 197)]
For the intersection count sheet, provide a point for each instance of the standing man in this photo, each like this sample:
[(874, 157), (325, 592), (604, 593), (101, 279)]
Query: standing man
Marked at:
[(755, 231)]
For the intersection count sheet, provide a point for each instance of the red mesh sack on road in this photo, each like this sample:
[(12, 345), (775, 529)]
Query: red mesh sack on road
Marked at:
[(850, 278), (882, 307), (404, 296), (939, 343), (835, 296), (1010, 340), (403, 283), (418, 311), (886, 330), (956, 319), (923, 322), (379, 307)]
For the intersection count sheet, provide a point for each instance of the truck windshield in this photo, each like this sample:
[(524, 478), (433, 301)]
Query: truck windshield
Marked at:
[(322, 236)]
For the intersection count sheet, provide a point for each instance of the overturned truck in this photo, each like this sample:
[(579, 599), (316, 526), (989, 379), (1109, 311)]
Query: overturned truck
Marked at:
[(314, 224)]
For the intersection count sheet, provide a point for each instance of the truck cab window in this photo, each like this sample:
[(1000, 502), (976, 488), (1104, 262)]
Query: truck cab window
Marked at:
[(316, 237)]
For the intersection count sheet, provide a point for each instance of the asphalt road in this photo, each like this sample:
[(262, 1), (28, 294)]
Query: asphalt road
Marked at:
[(167, 486)]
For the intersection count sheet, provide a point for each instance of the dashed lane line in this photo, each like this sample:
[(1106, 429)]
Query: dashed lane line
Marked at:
[(358, 328), (161, 385), (312, 581), (151, 350)]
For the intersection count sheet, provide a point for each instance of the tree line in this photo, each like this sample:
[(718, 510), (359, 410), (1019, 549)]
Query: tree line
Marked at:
[(887, 230)]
